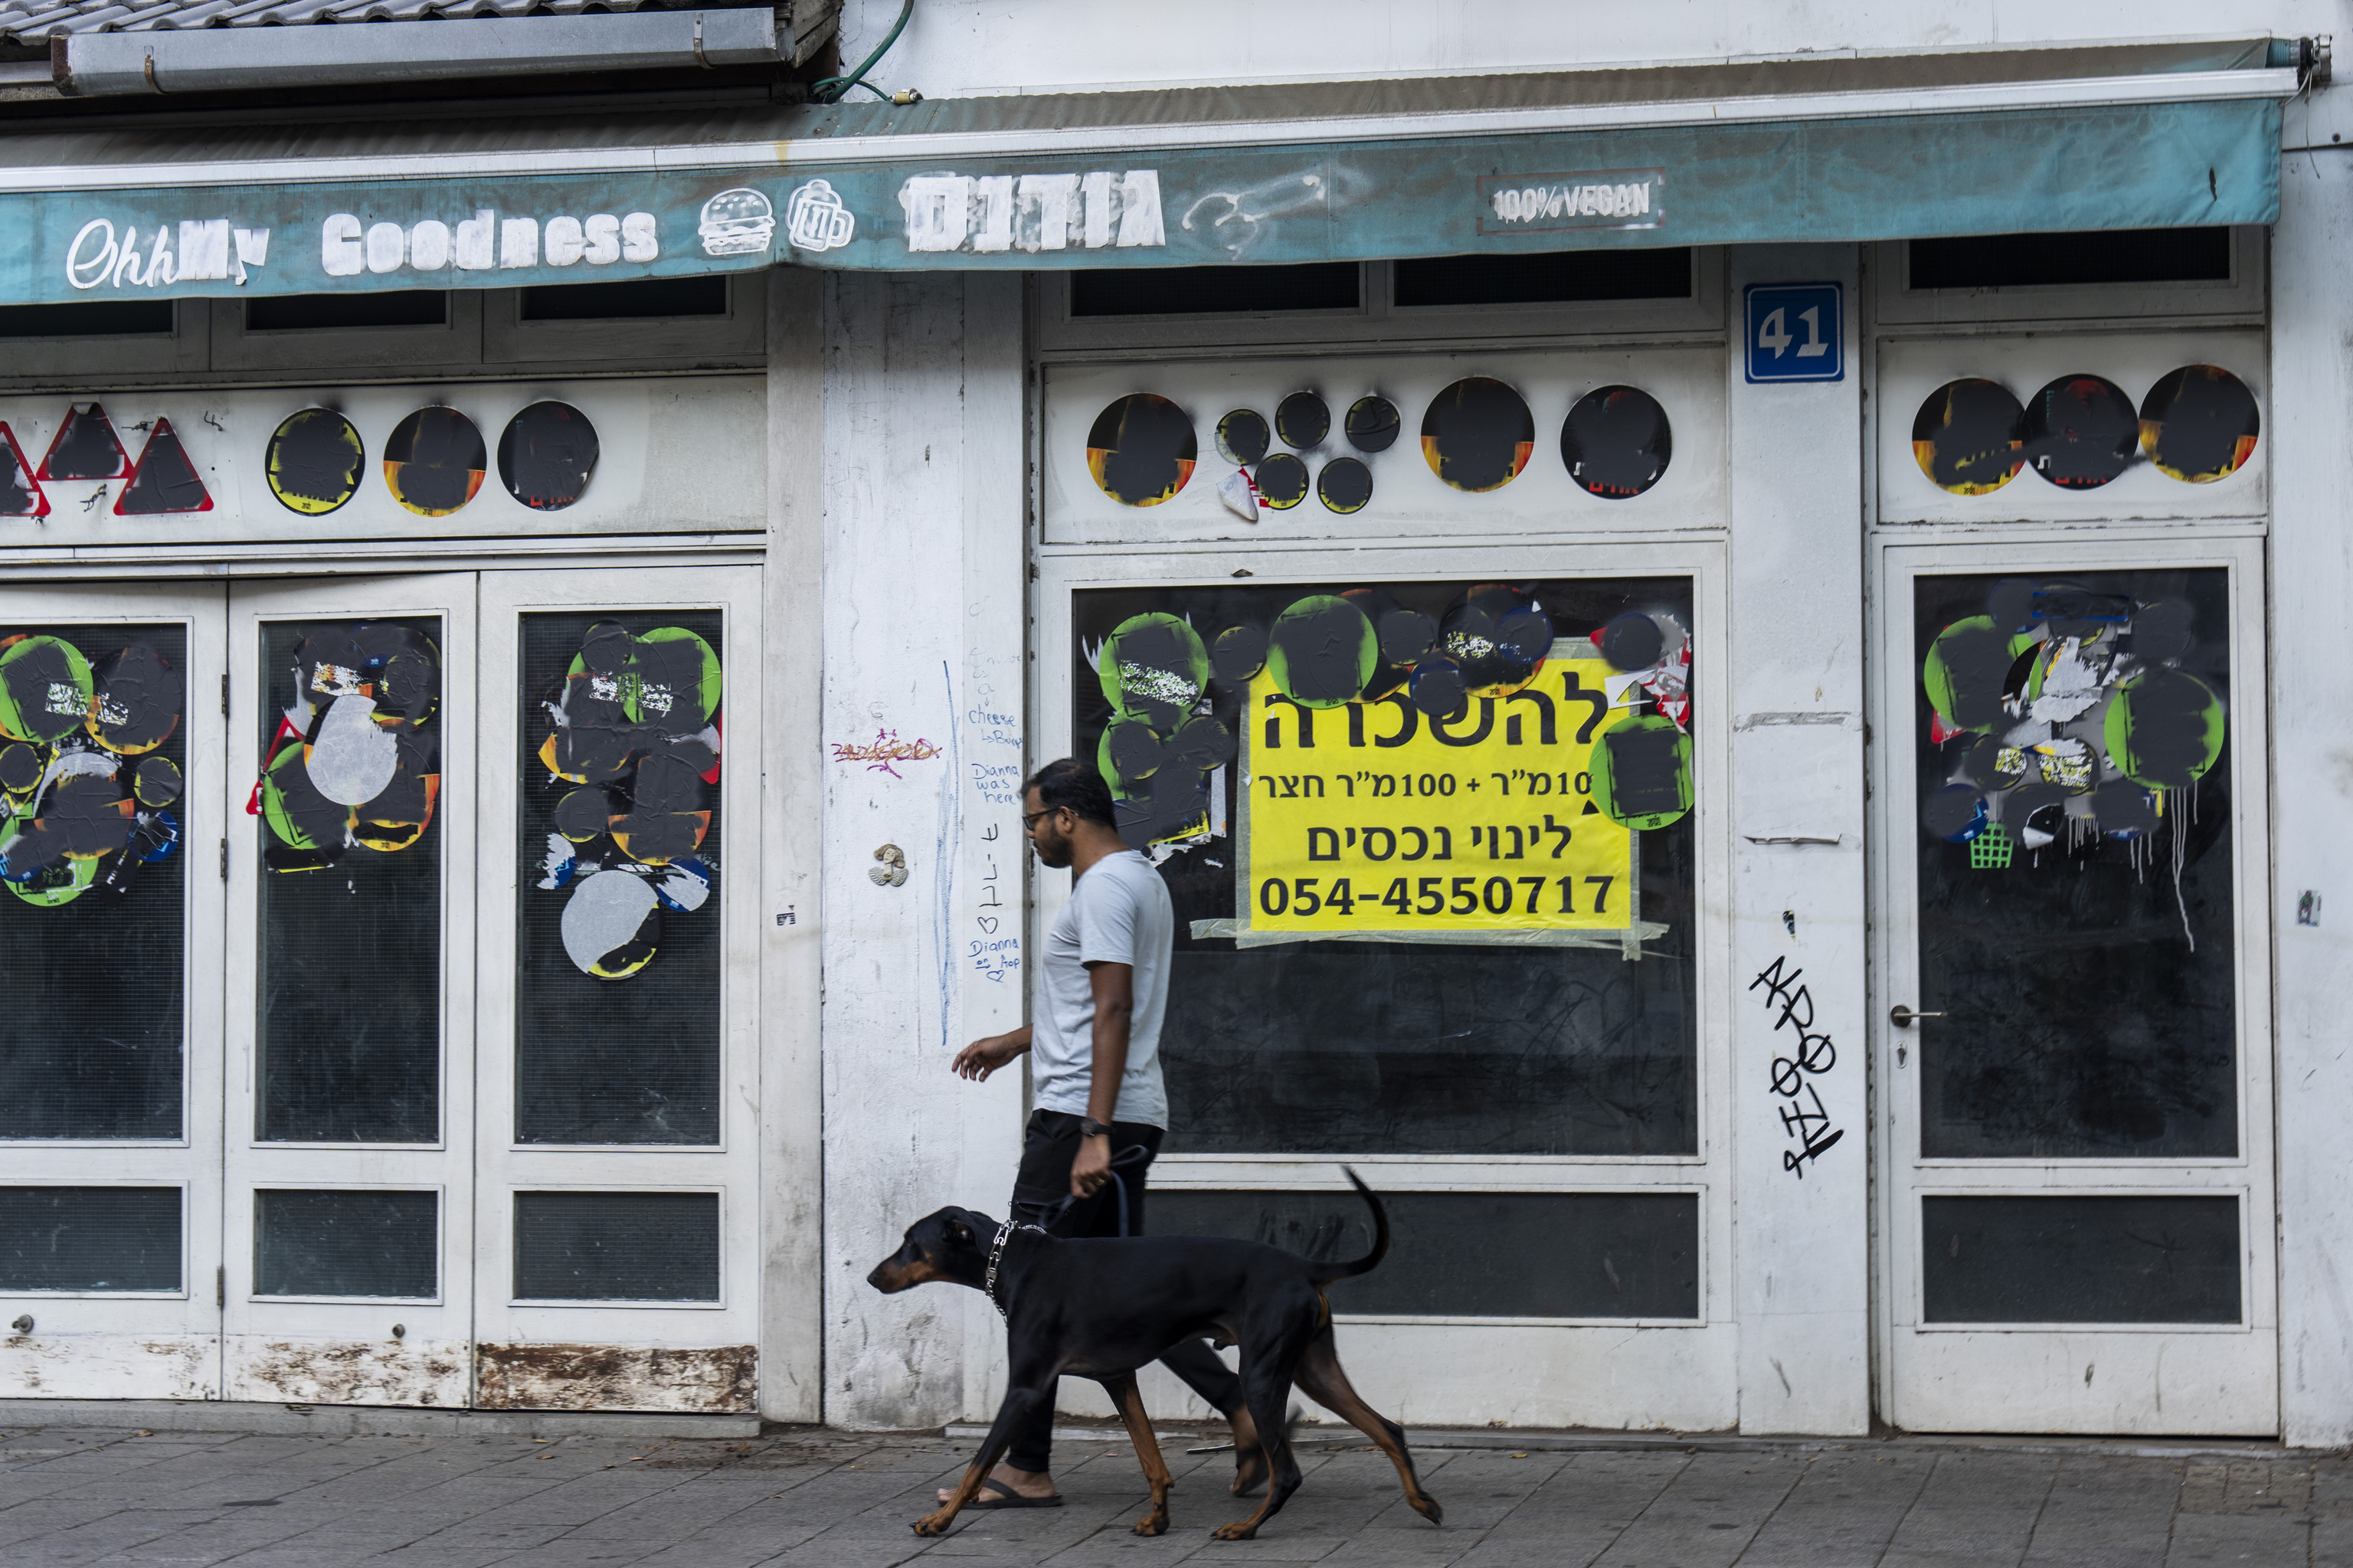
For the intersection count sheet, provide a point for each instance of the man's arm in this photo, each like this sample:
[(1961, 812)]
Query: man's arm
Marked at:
[(982, 1057), (1114, 986)]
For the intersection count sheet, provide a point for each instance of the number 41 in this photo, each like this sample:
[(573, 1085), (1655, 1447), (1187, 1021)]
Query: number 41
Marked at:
[(1771, 332)]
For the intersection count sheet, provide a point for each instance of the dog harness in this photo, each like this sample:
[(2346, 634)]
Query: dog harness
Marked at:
[(995, 1255)]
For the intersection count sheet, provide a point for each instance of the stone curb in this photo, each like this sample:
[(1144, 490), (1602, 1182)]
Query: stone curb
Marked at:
[(359, 1420)]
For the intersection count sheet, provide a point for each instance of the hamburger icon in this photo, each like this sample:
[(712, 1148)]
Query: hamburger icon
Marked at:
[(738, 222)]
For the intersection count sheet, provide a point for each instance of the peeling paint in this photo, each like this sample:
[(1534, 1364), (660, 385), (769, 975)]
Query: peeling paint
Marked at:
[(715, 1381), (342, 1372)]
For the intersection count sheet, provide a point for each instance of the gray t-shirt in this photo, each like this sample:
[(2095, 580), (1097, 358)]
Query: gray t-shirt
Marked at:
[(1118, 913)]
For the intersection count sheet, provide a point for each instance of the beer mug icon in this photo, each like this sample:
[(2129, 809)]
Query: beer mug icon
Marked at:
[(815, 218)]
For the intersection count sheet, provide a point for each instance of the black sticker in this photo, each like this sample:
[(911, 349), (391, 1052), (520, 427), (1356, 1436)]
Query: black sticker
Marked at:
[(1302, 420), (1969, 437), (1141, 449), (1281, 481), (546, 455), (1373, 424), (1478, 434), (2081, 431), (2199, 424), (1616, 443), (1242, 437), (1345, 485)]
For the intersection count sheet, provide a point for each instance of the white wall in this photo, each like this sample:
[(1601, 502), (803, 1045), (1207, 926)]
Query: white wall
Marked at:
[(1797, 649), (2312, 759), (955, 49), (923, 595)]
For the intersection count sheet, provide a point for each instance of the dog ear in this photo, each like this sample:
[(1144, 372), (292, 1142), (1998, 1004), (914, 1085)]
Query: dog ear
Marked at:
[(960, 1233)]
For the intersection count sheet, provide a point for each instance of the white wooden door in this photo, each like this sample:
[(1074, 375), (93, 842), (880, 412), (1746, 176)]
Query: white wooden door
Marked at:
[(618, 1207), (2072, 1006), (348, 1207), (109, 1119)]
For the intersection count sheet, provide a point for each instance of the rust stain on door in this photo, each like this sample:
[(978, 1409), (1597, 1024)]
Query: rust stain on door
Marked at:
[(335, 1372), (723, 1380)]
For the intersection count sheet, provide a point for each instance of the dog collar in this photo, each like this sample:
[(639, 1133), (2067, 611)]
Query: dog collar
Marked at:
[(995, 1255)]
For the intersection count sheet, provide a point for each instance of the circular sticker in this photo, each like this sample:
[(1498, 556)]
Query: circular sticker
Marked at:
[(1373, 424), (434, 461), (1301, 420), (2199, 424), (1968, 436), (314, 461), (546, 454), (1141, 451), (1478, 435), (1242, 436), (1616, 443), (1345, 485), (2081, 431), (1281, 481)]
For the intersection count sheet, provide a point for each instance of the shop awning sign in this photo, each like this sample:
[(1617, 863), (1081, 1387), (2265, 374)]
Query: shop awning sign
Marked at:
[(408, 214), (1372, 822)]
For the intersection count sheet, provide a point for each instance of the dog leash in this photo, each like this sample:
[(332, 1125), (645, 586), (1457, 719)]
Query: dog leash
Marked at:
[(1053, 1216)]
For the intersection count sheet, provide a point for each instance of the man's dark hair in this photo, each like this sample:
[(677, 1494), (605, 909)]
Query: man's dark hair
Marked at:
[(1068, 782)]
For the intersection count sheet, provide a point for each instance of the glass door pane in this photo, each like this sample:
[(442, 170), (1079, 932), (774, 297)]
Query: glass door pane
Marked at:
[(349, 725)]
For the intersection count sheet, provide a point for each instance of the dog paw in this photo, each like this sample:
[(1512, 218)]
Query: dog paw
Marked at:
[(1242, 1531), (1152, 1524), (935, 1523), (1428, 1507)]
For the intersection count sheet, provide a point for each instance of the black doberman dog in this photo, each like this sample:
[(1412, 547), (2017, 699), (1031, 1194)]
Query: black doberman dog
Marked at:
[(1101, 1309)]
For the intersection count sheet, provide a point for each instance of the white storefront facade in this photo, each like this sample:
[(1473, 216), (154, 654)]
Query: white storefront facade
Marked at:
[(526, 636)]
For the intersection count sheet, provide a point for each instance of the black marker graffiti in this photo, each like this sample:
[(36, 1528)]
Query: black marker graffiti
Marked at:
[(1804, 1118)]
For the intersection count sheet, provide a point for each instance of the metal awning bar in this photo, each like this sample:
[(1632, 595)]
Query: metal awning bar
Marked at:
[(1052, 142), (245, 60)]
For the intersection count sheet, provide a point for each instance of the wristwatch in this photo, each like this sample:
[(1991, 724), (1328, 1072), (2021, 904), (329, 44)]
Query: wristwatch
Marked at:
[(1089, 1127)]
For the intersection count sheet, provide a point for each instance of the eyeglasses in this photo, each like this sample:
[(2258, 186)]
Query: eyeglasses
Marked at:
[(1029, 819)]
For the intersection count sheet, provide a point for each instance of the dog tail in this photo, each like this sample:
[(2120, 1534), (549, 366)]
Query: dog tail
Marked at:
[(1372, 1259)]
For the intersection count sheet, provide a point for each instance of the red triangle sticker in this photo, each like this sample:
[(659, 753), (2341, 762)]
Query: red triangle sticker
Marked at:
[(166, 480), (20, 493), (86, 447)]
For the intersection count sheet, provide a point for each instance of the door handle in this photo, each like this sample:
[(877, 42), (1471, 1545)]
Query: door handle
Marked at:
[(1902, 1016)]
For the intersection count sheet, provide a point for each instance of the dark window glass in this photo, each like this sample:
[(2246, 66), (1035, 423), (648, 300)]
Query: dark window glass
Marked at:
[(2099, 256), (90, 1238), (1487, 1040), (1575, 1255), (1554, 278), (2080, 1260), (1215, 290), (634, 299), (311, 312), (2087, 979), (616, 1246), (93, 1048), (345, 1242), (618, 847), (93, 318), (351, 893)]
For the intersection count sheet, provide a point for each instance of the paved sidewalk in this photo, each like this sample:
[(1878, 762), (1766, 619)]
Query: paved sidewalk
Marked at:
[(85, 1495)]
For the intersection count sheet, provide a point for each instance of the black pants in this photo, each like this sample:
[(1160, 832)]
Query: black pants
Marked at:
[(1047, 1152)]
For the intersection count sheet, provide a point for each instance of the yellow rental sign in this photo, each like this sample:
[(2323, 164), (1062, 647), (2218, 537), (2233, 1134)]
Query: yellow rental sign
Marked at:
[(1372, 819)]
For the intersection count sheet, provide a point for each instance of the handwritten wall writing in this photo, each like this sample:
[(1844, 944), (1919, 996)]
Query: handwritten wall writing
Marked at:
[(996, 951), (998, 783), (884, 751), (1811, 1055)]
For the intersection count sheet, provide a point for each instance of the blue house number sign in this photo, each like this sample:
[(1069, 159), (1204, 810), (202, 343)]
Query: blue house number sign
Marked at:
[(1795, 333)]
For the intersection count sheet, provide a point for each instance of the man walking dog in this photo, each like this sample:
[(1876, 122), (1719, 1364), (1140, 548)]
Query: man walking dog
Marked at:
[(1094, 1051)]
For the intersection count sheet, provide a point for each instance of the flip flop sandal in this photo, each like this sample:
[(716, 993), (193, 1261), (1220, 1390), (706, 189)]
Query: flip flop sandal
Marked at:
[(1008, 1498)]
